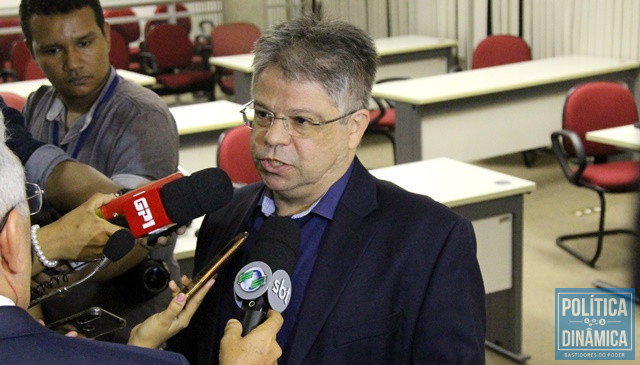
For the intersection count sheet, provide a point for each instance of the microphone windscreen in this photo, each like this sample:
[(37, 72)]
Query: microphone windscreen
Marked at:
[(277, 244), (200, 193), (118, 245)]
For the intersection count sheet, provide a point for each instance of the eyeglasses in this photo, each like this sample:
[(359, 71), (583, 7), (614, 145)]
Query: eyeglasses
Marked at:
[(34, 197), (296, 126), (34, 201)]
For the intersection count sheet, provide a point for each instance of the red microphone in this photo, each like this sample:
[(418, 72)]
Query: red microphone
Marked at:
[(142, 208), (173, 200)]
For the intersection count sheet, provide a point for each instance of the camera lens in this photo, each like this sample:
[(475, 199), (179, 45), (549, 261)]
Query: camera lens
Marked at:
[(155, 279)]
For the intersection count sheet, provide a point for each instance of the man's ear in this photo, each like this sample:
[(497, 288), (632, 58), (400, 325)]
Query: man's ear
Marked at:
[(358, 124), (106, 29), (13, 245)]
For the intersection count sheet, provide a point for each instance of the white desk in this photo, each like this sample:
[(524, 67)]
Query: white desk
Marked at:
[(402, 56), (205, 117), (493, 111), (626, 137), (199, 127), (24, 88), (493, 202)]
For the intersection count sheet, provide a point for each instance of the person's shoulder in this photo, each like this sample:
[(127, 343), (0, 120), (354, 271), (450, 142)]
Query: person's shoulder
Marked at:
[(106, 352), (139, 98)]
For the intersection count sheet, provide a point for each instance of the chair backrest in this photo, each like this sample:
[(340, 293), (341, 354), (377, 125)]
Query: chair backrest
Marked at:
[(171, 46), (500, 50), (119, 51), (13, 100), (129, 31), (23, 63), (234, 38), (183, 21), (598, 105), (7, 40), (234, 155)]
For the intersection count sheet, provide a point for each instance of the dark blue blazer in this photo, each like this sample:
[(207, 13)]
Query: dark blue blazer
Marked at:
[(25, 341), (396, 281)]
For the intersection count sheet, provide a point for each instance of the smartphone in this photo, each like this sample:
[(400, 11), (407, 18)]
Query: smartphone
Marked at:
[(215, 264), (90, 323)]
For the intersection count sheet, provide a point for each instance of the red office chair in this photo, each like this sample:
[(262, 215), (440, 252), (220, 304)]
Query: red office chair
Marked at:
[(13, 100), (231, 39), (234, 155), (119, 52), (130, 32), (183, 21), (591, 106), (172, 65), (25, 66), (500, 50), (6, 40), (383, 120)]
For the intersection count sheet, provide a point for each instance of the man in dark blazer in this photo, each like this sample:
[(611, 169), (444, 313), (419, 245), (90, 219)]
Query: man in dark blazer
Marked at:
[(383, 276)]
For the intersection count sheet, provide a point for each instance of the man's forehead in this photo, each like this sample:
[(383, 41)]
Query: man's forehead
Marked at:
[(76, 23)]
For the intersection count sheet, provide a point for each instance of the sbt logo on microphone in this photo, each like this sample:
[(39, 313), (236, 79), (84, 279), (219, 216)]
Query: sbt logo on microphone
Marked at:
[(142, 207), (279, 293), (595, 324)]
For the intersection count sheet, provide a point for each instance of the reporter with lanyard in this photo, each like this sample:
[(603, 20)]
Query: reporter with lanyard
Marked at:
[(92, 116)]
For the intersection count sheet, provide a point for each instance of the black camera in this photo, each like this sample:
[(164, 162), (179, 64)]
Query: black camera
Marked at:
[(144, 281)]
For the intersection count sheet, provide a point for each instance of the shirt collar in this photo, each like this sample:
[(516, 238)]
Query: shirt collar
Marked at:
[(325, 206), (57, 110), (6, 302)]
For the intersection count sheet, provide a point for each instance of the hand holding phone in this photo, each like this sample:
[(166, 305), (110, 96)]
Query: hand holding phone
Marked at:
[(215, 264)]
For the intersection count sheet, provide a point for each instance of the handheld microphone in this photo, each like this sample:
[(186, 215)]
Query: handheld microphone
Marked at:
[(175, 199), (264, 282), (118, 245)]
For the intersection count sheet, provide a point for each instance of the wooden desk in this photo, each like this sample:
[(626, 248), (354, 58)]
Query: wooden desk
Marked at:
[(25, 88), (199, 127), (493, 202), (626, 137), (493, 111), (408, 56)]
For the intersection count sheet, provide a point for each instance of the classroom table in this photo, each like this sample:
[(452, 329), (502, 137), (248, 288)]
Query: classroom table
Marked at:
[(205, 117), (402, 56), (492, 111), (626, 137), (493, 201), (24, 88), (199, 126)]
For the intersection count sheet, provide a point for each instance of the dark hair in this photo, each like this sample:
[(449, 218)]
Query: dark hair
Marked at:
[(29, 8), (338, 55)]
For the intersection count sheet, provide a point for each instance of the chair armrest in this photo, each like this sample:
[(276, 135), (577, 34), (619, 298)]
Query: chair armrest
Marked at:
[(148, 63), (557, 139), (202, 24), (8, 74)]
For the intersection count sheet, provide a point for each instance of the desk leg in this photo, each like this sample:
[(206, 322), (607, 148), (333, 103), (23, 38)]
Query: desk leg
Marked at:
[(504, 308), (408, 133), (243, 87)]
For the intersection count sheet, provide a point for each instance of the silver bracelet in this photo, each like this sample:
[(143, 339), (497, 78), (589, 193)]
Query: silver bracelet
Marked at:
[(38, 250)]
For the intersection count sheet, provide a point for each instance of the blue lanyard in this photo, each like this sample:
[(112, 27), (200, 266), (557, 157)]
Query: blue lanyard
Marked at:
[(85, 132)]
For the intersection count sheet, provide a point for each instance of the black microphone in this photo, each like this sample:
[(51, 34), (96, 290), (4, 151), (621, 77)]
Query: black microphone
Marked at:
[(118, 245), (168, 202), (265, 282)]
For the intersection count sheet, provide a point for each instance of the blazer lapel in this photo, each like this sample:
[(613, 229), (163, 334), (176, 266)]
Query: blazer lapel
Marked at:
[(341, 249)]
